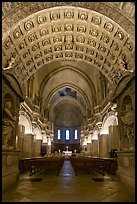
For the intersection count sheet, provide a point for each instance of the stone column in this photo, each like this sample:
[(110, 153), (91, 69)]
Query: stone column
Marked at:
[(21, 133), (28, 145), (103, 145), (44, 149), (89, 146), (113, 137), (38, 145), (49, 147), (95, 148)]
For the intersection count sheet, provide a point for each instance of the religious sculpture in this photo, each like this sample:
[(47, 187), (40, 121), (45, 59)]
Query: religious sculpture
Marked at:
[(10, 64), (8, 124), (128, 120)]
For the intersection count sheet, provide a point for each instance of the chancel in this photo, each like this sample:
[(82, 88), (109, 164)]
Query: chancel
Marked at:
[(68, 101)]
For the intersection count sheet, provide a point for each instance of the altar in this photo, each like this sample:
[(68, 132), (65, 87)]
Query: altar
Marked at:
[(67, 153)]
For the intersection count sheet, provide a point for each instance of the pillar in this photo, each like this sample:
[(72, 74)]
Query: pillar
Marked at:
[(113, 138), (38, 145), (28, 145), (21, 133), (89, 146), (103, 145), (95, 148)]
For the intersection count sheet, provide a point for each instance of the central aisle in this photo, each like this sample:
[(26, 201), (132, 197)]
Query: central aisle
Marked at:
[(67, 188)]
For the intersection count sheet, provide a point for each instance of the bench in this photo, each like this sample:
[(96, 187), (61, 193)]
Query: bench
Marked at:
[(48, 164), (100, 165)]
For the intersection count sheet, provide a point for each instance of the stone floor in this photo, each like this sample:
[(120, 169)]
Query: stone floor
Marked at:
[(68, 187)]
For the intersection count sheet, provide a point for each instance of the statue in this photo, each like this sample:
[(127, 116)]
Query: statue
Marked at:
[(11, 64), (128, 121), (8, 124)]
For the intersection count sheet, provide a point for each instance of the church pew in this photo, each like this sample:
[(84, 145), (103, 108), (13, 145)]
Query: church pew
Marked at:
[(24, 164), (49, 164), (100, 165), (86, 164), (111, 165)]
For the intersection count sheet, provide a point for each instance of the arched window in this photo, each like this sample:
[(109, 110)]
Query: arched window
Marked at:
[(67, 134), (59, 134), (76, 135)]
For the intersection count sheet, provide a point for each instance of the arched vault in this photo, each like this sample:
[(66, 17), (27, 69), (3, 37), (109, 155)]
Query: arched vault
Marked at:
[(69, 44), (68, 33)]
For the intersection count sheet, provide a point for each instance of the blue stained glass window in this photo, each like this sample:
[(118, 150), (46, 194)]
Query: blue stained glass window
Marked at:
[(67, 134), (76, 135), (59, 134)]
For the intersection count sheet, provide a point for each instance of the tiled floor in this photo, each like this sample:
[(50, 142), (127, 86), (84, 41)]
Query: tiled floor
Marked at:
[(68, 187)]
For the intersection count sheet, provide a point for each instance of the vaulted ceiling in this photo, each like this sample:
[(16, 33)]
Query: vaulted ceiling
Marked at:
[(69, 44)]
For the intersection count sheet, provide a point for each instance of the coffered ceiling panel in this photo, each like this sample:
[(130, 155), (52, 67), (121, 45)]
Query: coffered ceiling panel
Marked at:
[(69, 33)]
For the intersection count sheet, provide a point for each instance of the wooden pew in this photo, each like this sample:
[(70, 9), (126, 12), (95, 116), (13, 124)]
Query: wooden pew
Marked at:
[(100, 165), (86, 164), (24, 164), (111, 165), (48, 164)]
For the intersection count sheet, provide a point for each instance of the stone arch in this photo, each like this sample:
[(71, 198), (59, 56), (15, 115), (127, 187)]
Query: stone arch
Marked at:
[(108, 121), (37, 132), (71, 100), (71, 85), (95, 134), (68, 112), (25, 120), (77, 84)]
